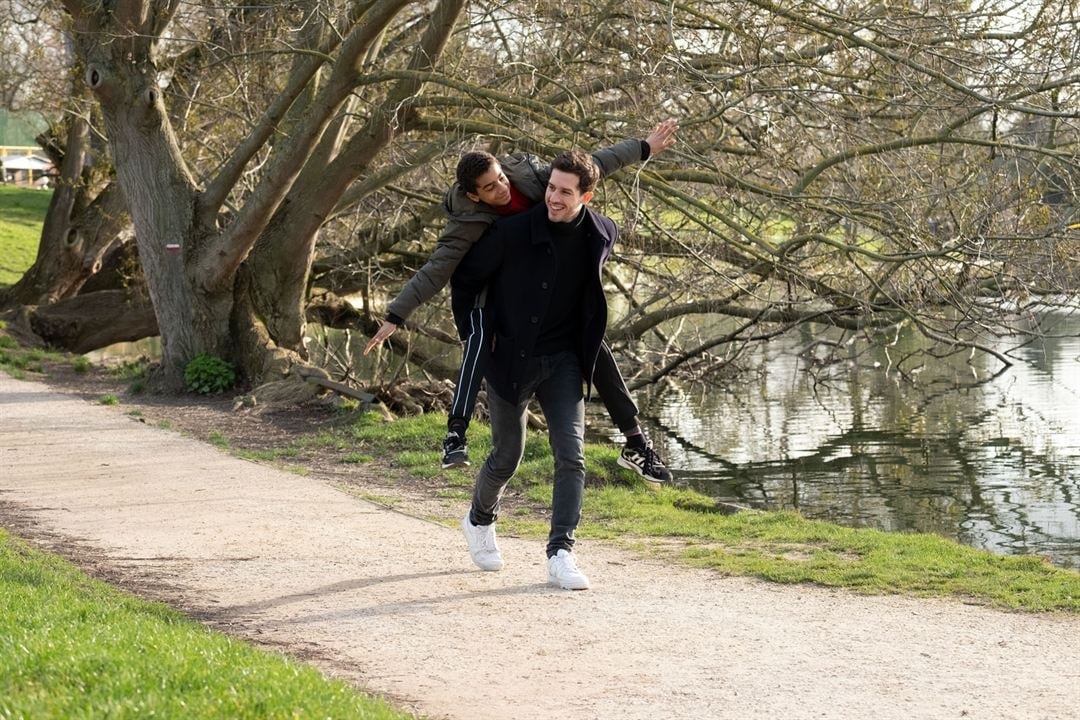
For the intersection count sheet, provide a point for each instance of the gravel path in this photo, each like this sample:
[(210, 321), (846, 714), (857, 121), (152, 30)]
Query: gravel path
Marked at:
[(392, 602)]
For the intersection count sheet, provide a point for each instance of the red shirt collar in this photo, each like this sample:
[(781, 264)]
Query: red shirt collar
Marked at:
[(518, 203)]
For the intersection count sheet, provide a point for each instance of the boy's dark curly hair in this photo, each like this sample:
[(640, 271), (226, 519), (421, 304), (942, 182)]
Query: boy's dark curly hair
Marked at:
[(471, 166)]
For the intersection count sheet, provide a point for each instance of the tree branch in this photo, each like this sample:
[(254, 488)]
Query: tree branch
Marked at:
[(225, 255)]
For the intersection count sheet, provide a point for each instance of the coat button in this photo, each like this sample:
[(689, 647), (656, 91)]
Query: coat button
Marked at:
[(543, 286), (521, 354), (534, 319)]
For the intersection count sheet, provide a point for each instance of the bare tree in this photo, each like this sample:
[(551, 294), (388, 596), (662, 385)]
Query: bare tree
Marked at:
[(204, 262), (86, 219)]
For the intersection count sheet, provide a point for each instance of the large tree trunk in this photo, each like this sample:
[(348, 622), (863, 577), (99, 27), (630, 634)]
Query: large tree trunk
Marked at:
[(118, 48), (161, 197), (59, 256), (195, 271)]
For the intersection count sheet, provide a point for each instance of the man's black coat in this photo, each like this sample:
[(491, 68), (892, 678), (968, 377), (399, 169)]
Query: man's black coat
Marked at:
[(515, 260)]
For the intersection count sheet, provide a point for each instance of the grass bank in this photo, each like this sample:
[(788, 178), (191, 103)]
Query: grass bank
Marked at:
[(17, 360), (22, 213), (71, 647), (685, 525)]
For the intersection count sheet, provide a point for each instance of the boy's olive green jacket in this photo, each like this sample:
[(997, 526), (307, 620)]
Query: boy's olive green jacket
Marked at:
[(469, 220)]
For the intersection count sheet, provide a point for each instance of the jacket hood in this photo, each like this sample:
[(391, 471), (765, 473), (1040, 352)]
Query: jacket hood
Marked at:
[(457, 205)]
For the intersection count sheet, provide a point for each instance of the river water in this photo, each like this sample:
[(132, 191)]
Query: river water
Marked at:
[(995, 465)]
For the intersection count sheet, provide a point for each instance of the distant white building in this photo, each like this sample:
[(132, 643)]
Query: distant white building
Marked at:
[(21, 166)]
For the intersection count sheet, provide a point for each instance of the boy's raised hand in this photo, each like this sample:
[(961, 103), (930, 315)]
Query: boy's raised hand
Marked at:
[(662, 137)]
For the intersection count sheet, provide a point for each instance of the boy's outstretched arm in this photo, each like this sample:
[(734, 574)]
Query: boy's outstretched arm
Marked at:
[(453, 244), (634, 150)]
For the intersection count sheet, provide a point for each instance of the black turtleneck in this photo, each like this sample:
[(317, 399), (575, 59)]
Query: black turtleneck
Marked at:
[(560, 328)]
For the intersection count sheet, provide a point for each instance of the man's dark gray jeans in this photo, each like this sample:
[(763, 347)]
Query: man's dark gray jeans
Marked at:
[(556, 381)]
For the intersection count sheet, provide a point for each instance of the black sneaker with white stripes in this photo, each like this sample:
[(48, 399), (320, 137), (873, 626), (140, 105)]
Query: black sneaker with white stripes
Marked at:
[(455, 451), (645, 462)]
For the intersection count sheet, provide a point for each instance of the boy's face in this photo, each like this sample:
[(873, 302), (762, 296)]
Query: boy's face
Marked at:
[(564, 197), (492, 188)]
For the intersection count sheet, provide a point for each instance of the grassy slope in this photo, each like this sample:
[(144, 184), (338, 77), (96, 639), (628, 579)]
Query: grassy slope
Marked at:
[(22, 212), (73, 647)]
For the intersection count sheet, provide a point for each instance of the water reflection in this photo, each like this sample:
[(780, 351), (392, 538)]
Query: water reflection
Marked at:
[(995, 465)]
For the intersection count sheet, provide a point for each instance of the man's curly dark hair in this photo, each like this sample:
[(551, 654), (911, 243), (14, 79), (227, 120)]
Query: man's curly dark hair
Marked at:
[(581, 164)]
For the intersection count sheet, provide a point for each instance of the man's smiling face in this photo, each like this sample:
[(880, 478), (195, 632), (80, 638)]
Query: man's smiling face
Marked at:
[(563, 197)]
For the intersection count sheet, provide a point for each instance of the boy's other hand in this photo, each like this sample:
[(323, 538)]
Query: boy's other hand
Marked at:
[(385, 330)]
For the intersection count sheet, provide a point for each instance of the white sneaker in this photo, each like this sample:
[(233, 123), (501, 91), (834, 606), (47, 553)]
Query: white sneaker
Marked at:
[(563, 572), (482, 546)]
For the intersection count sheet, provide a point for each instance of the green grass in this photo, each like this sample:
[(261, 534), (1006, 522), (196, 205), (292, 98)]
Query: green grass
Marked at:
[(108, 399), (780, 547), (134, 371), (17, 360), (22, 213), (787, 548), (71, 647)]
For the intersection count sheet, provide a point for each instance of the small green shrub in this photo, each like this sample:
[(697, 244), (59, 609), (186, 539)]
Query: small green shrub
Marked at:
[(80, 365), (109, 399), (6, 341), (208, 374)]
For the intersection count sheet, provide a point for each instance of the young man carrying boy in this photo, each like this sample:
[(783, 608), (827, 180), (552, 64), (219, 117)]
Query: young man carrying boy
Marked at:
[(485, 191), (541, 271)]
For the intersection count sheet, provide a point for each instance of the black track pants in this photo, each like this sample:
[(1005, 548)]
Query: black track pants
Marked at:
[(607, 379)]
